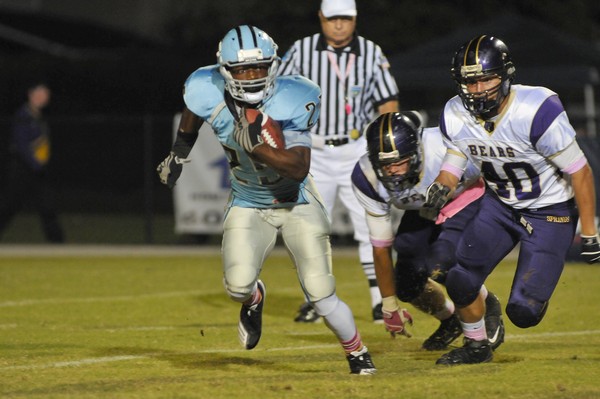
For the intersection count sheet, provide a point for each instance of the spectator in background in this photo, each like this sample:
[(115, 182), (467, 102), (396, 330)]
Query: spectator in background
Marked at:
[(356, 83), (27, 170)]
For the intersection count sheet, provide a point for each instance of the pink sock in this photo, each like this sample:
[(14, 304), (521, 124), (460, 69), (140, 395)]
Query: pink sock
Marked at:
[(352, 345), (475, 331)]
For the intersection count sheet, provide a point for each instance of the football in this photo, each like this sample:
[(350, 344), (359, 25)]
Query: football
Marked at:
[(271, 131)]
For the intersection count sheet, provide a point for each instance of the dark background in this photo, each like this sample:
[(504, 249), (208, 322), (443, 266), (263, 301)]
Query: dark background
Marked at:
[(117, 86), (114, 71)]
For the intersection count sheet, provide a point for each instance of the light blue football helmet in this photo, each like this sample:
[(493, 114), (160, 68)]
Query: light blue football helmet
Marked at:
[(248, 45)]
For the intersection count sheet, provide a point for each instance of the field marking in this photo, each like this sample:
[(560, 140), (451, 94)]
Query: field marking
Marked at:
[(101, 250), (77, 363), (50, 301), (111, 359), (552, 334)]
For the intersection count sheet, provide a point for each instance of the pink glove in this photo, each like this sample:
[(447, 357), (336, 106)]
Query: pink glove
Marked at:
[(395, 322)]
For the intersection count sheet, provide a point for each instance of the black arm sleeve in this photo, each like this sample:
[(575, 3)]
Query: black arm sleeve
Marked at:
[(183, 144), (187, 133)]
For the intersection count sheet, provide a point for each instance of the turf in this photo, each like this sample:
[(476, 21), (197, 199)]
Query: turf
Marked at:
[(161, 326)]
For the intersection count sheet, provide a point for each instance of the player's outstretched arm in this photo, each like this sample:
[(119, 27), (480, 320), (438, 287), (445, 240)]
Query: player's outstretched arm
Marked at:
[(395, 319), (170, 168), (585, 196)]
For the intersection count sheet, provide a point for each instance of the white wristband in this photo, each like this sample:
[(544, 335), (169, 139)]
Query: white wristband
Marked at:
[(390, 304)]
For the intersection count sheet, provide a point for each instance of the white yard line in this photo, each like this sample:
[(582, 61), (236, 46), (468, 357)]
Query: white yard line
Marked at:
[(94, 250), (45, 250), (52, 301), (111, 359), (77, 363)]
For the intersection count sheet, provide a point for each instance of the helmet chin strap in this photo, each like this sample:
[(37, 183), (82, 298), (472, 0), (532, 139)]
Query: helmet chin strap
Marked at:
[(486, 116)]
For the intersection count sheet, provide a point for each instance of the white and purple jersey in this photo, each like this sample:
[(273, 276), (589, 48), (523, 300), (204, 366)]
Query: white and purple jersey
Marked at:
[(378, 201), (529, 154), (294, 105)]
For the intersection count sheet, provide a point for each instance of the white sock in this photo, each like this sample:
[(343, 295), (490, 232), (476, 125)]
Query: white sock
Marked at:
[(375, 295), (475, 331)]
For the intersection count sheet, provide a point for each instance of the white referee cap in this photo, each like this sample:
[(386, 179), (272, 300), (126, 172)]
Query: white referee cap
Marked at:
[(331, 8)]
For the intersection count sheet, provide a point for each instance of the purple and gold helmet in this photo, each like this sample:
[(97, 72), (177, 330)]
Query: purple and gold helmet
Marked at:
[(391, 138), (484, 57)]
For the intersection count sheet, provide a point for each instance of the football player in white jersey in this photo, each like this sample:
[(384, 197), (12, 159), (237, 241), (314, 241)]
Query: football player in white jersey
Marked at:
[(402, 160), (271, 189), (539, 185)]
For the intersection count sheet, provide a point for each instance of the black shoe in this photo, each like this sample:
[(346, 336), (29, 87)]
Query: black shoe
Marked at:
[(493, 321), (361, 363), (250, 325), (378, 314), (447, 332), (306, 314), (472, 352)]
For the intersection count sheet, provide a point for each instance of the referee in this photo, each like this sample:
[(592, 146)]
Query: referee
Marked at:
[(356, 85)]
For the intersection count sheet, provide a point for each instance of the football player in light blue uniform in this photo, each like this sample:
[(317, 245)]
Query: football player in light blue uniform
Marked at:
[(293, 103), (271, 189), (402, 160), (539, 185)]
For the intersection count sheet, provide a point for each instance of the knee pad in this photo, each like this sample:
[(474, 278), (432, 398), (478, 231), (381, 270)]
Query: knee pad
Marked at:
[(410, 280), (526, 314), (319, 287), (440, 259), (239, 283), (462, 286)]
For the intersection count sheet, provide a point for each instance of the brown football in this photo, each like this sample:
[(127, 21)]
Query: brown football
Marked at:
[(271, 131)]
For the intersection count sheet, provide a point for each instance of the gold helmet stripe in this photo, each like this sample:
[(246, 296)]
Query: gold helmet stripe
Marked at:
[(479, 40), (389, 132)]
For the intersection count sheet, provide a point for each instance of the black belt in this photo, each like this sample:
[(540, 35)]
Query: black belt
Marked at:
[(336, 142)]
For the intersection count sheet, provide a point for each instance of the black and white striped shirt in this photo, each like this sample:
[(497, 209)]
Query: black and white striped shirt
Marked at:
[(368, 84)]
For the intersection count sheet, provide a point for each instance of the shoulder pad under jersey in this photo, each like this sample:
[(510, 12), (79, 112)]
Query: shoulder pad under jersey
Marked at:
[(295, 103), (368, 171), (364, 178), (204, 90)]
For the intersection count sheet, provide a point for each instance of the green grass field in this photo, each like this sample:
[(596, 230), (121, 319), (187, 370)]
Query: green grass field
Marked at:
[(143, 323)]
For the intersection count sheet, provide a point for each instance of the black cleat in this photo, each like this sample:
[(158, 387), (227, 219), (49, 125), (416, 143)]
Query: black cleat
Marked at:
[(307, 314), (361, 363), (250, 325), (378, 314), (447, 332), (471, 353), (493, 321)]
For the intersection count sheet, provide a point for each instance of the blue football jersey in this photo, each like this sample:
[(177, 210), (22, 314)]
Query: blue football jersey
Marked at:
[(295, 105)]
